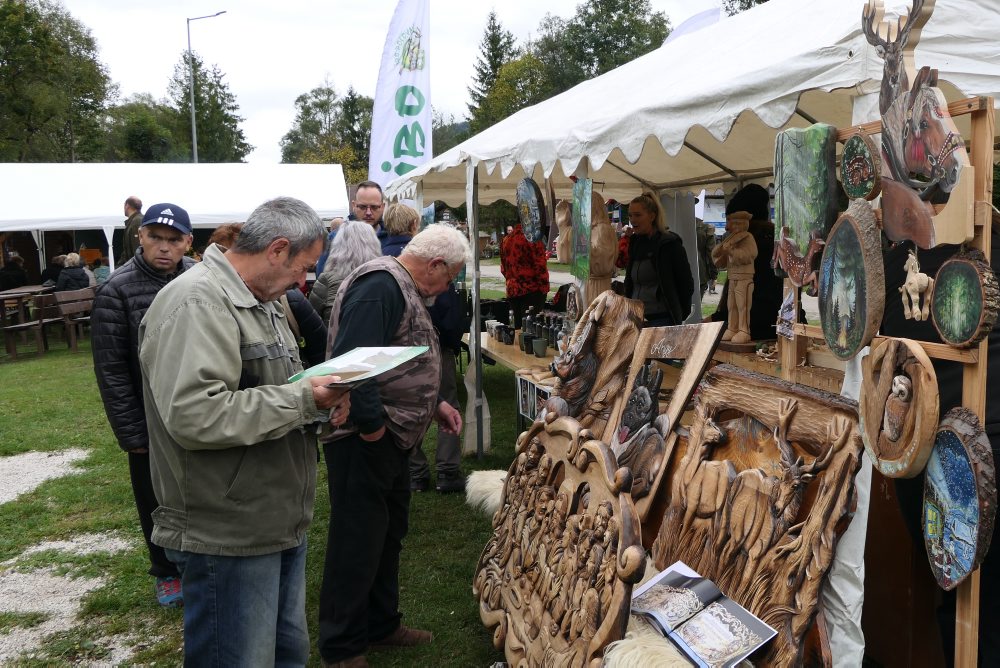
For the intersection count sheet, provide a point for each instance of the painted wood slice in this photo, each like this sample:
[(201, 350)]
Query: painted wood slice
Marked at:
[(531, 210), (899, 407), (851, 282), (861, 167), (965, 299), (959, 498)]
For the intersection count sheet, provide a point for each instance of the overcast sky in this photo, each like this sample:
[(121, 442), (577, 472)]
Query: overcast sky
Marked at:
[(272, 52)]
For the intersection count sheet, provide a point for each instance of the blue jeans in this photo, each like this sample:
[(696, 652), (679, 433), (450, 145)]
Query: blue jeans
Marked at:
[(244, 611)]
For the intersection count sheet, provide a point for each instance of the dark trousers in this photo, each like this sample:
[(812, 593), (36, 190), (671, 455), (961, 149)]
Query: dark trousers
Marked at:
[(448, 455), (369, 516), (520, 304), (146, 503)]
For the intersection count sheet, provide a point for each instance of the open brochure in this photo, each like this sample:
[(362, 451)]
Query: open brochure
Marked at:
[(710, 628), (361, 364)]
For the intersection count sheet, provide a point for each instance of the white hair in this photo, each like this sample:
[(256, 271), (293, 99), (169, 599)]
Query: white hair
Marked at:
[(442, 241), (355, 244)]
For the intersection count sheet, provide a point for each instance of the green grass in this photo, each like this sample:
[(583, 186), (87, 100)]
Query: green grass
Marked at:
[(50, 403)]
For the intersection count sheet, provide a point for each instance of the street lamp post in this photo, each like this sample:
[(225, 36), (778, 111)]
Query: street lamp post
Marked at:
[(194, 127)]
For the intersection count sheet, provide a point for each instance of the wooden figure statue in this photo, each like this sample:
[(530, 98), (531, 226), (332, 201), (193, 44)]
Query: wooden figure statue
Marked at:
[(922, 151), (916, 287), (603, 249), (736, 254), (564, 221)]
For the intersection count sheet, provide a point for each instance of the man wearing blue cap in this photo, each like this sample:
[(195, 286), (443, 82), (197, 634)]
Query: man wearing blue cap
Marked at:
[(164, 236)]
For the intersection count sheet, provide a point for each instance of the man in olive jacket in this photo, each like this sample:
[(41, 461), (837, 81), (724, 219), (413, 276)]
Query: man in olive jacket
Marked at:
[(232, 442), (133, 221), (118, 309)]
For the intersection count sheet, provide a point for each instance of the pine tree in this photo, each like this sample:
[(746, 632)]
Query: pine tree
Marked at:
[(497, 48)]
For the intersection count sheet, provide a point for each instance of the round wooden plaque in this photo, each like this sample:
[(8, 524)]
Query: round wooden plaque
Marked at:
[(851, 282), (898, 407), (965, 299), (860, 168), (531, 210), (959, 498)]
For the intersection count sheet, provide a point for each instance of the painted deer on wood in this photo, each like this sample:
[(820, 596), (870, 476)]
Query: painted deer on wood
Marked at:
[(800, 270), (922, 151)]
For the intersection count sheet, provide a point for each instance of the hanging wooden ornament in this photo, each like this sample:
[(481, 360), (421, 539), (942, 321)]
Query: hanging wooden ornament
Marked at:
[(851, 282), (531, 210), (965, 300), (916, 290), (898, 407), (959, 498), (860, 168)]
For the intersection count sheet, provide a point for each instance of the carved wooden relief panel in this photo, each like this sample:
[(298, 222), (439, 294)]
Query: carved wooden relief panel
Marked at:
[(965, 300), (959, 498), (555, 579), (593, 371), (851, 282), (899, 407), (805, 199), (758, 498)]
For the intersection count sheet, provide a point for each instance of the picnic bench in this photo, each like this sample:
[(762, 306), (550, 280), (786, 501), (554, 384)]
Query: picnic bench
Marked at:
[(69, 309)]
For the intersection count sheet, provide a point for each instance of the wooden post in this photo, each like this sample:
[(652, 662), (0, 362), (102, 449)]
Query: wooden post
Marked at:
[(974, 374), (792, 351)]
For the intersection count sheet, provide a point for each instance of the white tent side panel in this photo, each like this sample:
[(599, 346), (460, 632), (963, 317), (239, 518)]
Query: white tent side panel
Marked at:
[(49, 196)]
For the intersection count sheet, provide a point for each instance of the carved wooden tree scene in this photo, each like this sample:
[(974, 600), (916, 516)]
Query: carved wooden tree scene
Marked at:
[(763, 486), (966, 299), (805, 200)]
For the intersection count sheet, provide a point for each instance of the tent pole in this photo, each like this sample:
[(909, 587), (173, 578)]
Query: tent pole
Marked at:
[(472, 211)]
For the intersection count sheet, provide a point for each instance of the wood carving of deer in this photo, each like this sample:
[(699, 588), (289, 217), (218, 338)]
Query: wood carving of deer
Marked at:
[(922, 151)]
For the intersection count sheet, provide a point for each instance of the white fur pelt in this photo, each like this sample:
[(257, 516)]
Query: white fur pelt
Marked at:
[(643, 647), (484, 489)]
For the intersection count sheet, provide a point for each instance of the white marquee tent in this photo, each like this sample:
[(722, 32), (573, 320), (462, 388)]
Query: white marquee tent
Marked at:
[(703, 109), (40, 196)]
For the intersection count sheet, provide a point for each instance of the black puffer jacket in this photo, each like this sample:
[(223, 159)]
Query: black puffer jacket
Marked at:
[(72, 278), (118, 308)]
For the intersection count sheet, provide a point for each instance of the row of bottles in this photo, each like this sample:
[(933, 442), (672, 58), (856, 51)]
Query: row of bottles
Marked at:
[(546, 325)]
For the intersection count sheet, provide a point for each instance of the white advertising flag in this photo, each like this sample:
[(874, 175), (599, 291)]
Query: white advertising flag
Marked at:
[(401, 117)]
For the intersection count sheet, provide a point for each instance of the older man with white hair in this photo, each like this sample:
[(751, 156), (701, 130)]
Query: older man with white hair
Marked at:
[(382, 303)]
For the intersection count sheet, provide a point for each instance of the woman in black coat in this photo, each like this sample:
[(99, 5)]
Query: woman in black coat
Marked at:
[(72, 277)]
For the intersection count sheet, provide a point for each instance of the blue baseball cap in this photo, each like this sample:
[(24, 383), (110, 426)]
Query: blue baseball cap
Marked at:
[(170, 215)]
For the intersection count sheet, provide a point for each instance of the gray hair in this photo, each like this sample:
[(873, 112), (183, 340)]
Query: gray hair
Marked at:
[(72, 260), (442, 241), (282, 217), (355, 244)]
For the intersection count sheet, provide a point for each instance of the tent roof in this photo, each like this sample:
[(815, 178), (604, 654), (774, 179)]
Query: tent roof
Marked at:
[(703, 109), (43, 196)]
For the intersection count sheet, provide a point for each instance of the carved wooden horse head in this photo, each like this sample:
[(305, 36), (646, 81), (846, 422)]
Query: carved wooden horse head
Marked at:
[(932, 146)]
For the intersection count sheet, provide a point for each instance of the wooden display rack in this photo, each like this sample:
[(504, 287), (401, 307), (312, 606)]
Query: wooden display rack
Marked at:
[(792, 352)]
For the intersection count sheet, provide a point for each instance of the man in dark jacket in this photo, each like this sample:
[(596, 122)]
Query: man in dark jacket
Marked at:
[(133, 221), (120, 303)]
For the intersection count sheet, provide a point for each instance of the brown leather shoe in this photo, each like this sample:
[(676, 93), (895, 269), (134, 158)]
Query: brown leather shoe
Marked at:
[(404, 636), (353, 662)]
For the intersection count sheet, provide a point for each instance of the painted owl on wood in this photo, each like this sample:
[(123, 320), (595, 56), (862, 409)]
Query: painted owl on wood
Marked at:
[(896, 407)]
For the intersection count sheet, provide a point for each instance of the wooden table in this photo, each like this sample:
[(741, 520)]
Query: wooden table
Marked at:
[(17, 299), (510, 356)]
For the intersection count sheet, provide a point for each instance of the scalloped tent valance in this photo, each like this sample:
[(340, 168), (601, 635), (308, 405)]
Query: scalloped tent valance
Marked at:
[(702, 110)]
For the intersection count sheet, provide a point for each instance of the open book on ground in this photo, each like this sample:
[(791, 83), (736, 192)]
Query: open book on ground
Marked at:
[(710, 628), (362, 364)]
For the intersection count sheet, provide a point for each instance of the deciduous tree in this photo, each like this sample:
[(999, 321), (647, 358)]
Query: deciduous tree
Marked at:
[(520, 84), (733, 7), (142, 129)]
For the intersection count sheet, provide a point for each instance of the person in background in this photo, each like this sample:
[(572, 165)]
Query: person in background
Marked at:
[(119, 306), (355, 244), (101, 270), (133, 221), (367, 206), (13, 274), (91, 278), (525, 269), (381, 303), (767, 287), (233, 443), (401, 223), (51, 273), (306, 325), (657, 272), (707, 271), (72, 277)]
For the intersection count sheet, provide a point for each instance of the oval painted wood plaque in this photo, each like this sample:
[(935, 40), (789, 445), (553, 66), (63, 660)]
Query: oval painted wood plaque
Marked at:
[(861, 167), (851, 282), (959, 498), (531, 210), (898, 407), (965, 299)]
